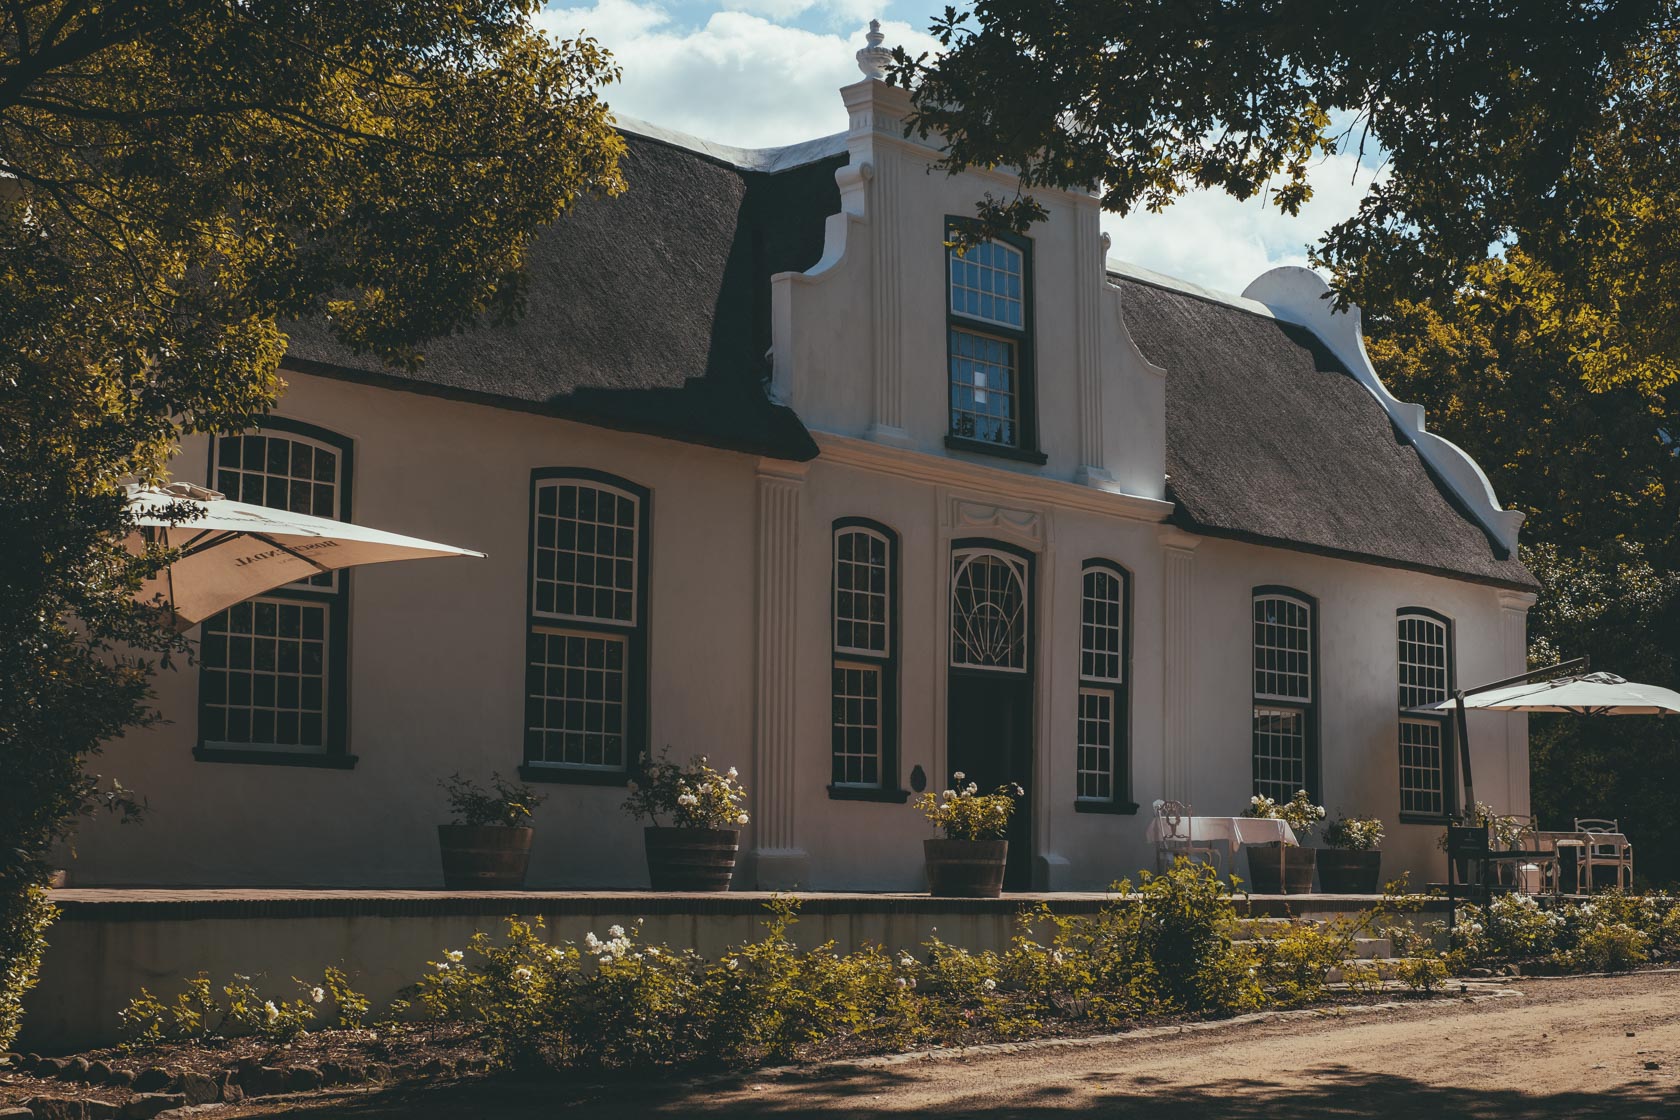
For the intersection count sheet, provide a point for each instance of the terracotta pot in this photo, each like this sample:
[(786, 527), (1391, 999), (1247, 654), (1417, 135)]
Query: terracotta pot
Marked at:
[(1278, 868), (965, 868), (1345, 872), (484, 857), (691, 859)]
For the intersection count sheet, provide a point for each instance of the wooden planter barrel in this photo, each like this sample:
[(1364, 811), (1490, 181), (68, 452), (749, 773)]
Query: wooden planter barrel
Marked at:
[(488, 857), (1281, 868), (965, 868), (691, 859), (1345, 872)]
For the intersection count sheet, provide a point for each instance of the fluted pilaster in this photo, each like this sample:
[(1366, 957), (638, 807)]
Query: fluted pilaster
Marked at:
[(779, 861), (1178, 699)]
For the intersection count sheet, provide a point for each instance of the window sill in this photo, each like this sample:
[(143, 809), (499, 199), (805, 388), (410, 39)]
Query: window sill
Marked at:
[(567, 776), (996, 450), (1420, 818), (1110, 808), (325, 761), (862, 793)]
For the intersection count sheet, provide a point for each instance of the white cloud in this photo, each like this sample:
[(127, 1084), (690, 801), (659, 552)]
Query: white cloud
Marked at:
[(739, 78), (1210, 238), (742, 77)]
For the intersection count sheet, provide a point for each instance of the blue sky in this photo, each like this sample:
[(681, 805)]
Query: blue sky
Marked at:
[(765, 72)]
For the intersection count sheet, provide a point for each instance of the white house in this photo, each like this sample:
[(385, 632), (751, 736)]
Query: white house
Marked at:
[(768, 473)]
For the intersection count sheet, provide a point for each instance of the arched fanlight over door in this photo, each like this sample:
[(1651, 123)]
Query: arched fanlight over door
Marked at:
[(988, 610)]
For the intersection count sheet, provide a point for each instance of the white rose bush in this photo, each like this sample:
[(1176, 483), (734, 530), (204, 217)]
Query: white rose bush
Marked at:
[(692, 796)]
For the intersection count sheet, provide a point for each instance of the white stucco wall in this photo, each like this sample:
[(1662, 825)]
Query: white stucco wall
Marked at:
[(437, 647)]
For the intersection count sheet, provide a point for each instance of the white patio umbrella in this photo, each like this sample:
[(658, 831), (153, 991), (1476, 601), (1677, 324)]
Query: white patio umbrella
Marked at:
[(1577, 693), (234, 550), (1582, 694)]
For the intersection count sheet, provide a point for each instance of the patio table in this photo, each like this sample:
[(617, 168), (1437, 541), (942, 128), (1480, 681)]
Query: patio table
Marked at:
[(1232, 833)]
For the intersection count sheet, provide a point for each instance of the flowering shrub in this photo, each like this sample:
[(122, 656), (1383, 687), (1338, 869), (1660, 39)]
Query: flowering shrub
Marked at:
[(1298, 812), (964, 813), (470, 804), (1611, 947), (692, 796), (1354, 834), (1421, 974), (240, 1009)]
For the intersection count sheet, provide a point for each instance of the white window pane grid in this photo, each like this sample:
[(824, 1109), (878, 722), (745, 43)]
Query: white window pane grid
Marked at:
[(1096, 745), (585, 562), (1280, 752), (1282, 649), (989, 611), (1101, 627), (986, 284), (263, 674), (984, 393), (1423, 661), (1422, 768), (292, 473), (575, 700), (861, 588), (857, 724)]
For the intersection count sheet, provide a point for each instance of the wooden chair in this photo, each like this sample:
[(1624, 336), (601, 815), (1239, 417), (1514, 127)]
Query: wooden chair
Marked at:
[(1616, 854), (1174, 837)]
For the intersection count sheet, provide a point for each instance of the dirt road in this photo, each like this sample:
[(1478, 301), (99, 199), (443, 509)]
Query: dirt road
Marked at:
[(1588, 1047)]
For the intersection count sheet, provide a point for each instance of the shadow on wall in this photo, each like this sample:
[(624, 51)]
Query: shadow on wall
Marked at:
[(1331, 1091)]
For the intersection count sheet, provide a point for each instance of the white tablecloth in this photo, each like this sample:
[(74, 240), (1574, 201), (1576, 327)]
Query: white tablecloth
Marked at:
[(1235, 831)]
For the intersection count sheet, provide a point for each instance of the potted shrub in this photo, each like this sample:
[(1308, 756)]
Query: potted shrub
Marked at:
[(1351, 864), (969, 861), (1279, 868), (696, 850), (488, 845)]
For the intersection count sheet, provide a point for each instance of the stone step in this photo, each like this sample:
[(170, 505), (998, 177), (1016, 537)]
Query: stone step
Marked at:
[(1388, 968)]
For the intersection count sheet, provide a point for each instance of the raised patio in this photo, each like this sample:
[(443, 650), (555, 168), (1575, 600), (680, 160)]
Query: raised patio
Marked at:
[(110, 942)]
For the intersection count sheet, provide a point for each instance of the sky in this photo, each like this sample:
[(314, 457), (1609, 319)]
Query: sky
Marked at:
[(759, 73)]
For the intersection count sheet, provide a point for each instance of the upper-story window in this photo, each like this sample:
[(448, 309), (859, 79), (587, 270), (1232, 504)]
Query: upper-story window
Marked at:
[(586, 642), (864, 727), (989, 348), (1425, 676), (273, 673), (1285, 700), (1103, 766)]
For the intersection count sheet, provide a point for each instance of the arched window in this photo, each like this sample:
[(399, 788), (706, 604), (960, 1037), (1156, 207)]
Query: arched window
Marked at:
[(988, 610), (864, 727), (1425, 676), (1103, 766), (1285, 694), (586, 643), (273, 673)]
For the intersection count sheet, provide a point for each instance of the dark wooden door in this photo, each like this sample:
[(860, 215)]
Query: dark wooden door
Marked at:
[(989, 740)]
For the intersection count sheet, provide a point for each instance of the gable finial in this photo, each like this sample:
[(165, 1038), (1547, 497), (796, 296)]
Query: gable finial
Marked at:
[(873, 59)]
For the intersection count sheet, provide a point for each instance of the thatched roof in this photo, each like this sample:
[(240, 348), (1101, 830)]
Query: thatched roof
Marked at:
[(1270, 439), (648, 312)]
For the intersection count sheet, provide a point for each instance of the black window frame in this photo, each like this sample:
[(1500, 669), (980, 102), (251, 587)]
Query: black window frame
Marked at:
[(890, 789), (1449, 729), (1310, 708), (1026, 449), (635, 635), (335, 753), (1120, 800)]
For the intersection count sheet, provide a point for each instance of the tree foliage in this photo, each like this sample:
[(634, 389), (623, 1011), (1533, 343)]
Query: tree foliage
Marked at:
[(178, 178)]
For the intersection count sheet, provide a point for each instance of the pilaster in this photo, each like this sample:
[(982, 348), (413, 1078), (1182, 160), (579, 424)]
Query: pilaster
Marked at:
[(778, 861), (1513, 636), (1178, 554), (1090, 266)]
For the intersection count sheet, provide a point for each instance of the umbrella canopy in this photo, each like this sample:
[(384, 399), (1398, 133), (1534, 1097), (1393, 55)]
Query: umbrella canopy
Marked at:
[(1587, 694), (234, 550)]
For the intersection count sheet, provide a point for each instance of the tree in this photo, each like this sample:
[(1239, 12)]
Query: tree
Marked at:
[(177, 179)]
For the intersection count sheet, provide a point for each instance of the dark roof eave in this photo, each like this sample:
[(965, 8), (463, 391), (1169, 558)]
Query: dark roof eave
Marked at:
[(1183, 520), (790, 439)]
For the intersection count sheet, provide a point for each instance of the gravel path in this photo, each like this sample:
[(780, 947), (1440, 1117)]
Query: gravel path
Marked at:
[(1579, 1047)]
